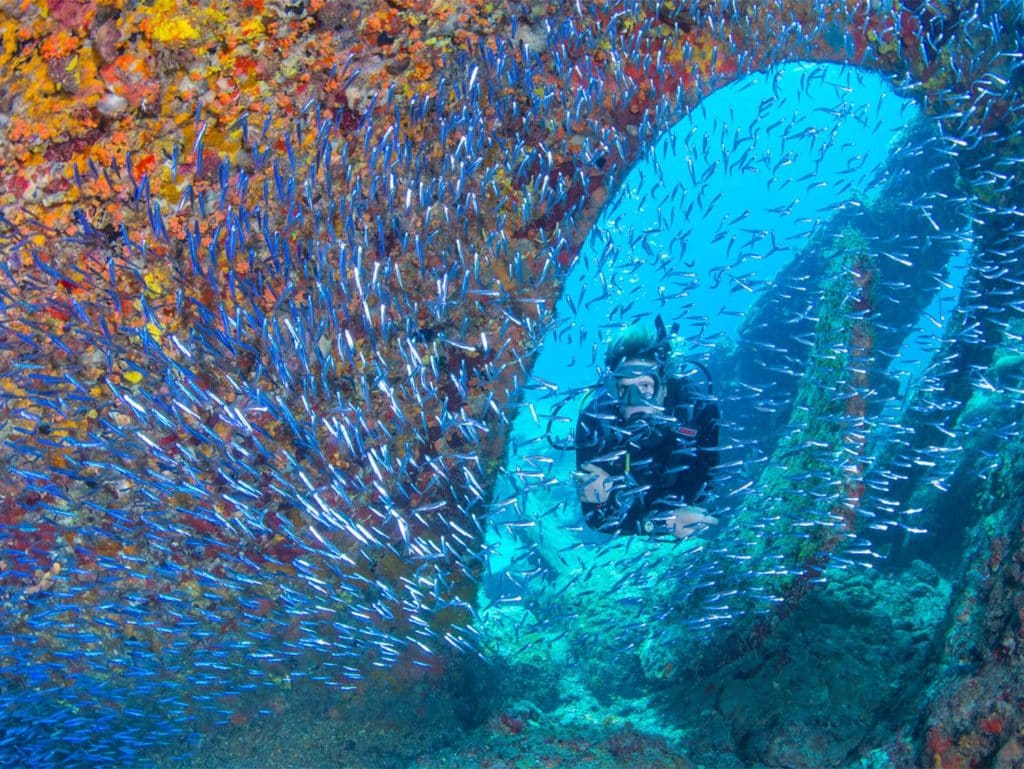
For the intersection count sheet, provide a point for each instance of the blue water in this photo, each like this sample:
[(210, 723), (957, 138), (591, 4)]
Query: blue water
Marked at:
[(700, 228), (781, 153)]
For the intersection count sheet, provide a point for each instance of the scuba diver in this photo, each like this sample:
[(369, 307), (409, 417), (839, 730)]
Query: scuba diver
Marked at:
[(646, 442)]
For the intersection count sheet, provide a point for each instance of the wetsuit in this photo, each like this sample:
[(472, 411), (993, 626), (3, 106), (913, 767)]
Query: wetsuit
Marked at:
[(656, 462)]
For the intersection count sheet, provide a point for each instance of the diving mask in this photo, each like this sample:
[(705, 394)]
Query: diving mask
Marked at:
[(637, 384)]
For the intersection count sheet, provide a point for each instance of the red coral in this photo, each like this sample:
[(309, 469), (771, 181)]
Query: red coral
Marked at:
[(992, 725), (937, 743), (625, 744), (514, 724), (18, 185), (72, 14)]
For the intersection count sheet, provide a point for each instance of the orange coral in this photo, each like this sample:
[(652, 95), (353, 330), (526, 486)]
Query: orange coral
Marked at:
[(386, 20), (61, 43)]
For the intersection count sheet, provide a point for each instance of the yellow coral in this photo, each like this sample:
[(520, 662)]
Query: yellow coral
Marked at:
[(154, 284), (252, 29), (174, 29), (8, 43), (171, 24)]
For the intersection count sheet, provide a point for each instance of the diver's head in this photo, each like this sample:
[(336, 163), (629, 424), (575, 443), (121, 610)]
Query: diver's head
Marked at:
[(638, 385), (637, 362)]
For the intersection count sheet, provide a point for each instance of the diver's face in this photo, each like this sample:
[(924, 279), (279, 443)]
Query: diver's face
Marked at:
[(636, 383)]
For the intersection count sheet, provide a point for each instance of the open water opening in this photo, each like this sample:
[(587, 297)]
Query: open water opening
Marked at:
[(730, 227)]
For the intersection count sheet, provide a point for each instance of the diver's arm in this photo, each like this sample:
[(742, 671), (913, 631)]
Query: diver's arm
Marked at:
[(594, 482), (594, 488), (595, 485), (606, 506)]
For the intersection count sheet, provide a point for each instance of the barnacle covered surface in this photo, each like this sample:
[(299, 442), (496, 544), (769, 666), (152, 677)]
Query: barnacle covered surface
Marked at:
[(275, 275)]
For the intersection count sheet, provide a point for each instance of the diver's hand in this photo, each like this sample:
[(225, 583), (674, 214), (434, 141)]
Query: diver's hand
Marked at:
[(689, 519), (594, 484)]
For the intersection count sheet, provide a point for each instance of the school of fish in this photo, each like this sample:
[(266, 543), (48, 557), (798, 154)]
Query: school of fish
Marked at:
[(250, 435)]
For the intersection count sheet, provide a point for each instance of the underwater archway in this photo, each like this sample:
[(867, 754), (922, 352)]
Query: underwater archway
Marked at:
[(721, 233), (819, 358)]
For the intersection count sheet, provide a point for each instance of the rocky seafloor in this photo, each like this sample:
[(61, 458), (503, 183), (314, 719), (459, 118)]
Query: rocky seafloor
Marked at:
[(841, 678)]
